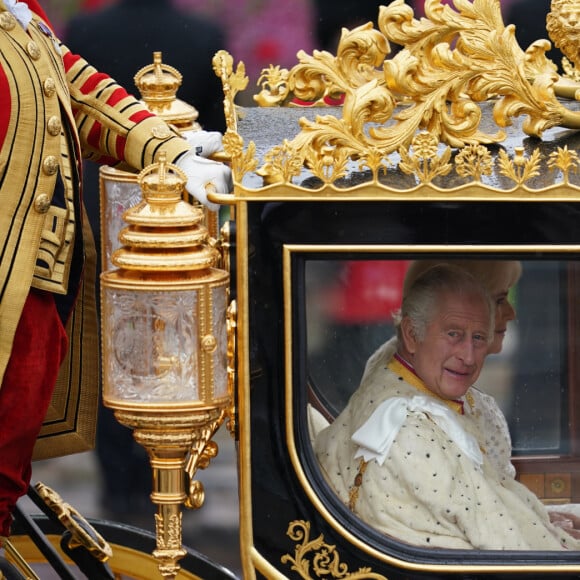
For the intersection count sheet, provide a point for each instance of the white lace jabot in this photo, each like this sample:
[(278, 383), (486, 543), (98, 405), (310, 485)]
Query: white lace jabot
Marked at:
[(377, 434), (20, 11)]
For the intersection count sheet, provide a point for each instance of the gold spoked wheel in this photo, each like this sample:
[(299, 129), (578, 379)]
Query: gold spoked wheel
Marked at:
[(131, 557)]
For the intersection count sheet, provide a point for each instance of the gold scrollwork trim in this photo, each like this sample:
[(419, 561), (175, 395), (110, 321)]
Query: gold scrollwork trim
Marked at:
[(202, 451), (317, 559), (455, 58)]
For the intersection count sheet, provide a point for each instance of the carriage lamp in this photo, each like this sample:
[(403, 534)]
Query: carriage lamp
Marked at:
[(158, 84), (165, 346)]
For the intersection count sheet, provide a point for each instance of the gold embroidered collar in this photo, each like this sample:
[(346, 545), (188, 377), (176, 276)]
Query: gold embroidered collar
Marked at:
[(412, 379)]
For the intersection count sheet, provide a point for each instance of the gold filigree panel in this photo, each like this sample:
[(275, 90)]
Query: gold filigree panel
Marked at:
[(314, 558)]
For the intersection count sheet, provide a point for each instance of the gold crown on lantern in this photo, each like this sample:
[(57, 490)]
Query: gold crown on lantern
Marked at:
[(158, 84)]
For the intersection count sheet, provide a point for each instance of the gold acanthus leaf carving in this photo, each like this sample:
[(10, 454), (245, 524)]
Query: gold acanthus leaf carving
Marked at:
[(452, 59), (318, 143), (465, 56), (360, 55), (359, 59), (346, 135), (325, 560)]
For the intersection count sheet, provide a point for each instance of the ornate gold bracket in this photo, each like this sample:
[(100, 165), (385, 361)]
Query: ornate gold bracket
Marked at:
[(317, 559), (203, 450)]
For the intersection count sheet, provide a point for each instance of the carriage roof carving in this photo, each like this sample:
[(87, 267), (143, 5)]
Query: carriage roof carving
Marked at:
[(460, 109)]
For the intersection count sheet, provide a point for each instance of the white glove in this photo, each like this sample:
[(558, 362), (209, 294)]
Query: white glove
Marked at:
[(204, 143), (203, 176)]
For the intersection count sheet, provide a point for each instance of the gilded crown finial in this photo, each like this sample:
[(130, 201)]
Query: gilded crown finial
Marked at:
[(164, 231), (162, 182), (158, 84)]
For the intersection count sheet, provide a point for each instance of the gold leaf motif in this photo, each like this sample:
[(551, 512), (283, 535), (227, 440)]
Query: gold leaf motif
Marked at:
[(359, 54), (424, 162), (565, 160), (324, 558), (282, 163), (520, 169), (474, 161), (375, 161), (456, 57), (464, 57), (275, 89), (328, 164)]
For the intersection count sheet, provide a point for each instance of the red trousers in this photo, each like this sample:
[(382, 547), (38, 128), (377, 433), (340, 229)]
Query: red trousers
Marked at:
[(39, 346)]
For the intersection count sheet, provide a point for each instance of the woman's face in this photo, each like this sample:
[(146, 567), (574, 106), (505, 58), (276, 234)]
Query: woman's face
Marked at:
[(504, 312)]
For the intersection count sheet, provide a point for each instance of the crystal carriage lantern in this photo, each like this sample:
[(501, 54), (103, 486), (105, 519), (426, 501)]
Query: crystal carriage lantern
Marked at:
[(165, 300), (165, 345)]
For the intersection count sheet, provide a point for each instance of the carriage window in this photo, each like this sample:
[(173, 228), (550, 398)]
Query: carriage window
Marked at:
[(349, 312)]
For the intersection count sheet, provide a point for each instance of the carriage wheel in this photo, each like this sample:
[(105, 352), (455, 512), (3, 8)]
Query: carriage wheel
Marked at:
[(132, 553)]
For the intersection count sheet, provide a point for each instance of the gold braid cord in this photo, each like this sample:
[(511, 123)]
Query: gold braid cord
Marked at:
[(431, 91), (354, 490)]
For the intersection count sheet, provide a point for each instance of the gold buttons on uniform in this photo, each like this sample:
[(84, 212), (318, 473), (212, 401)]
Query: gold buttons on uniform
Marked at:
[(49, 87), (7, 21), (33, 50), (161, 132), (53, 126), (50, 165), (42, 203)]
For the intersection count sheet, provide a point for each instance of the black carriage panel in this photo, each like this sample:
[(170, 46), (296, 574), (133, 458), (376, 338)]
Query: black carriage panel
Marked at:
[(297, 248)]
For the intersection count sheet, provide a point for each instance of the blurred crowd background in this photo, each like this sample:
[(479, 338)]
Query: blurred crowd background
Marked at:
[(263, 32)]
